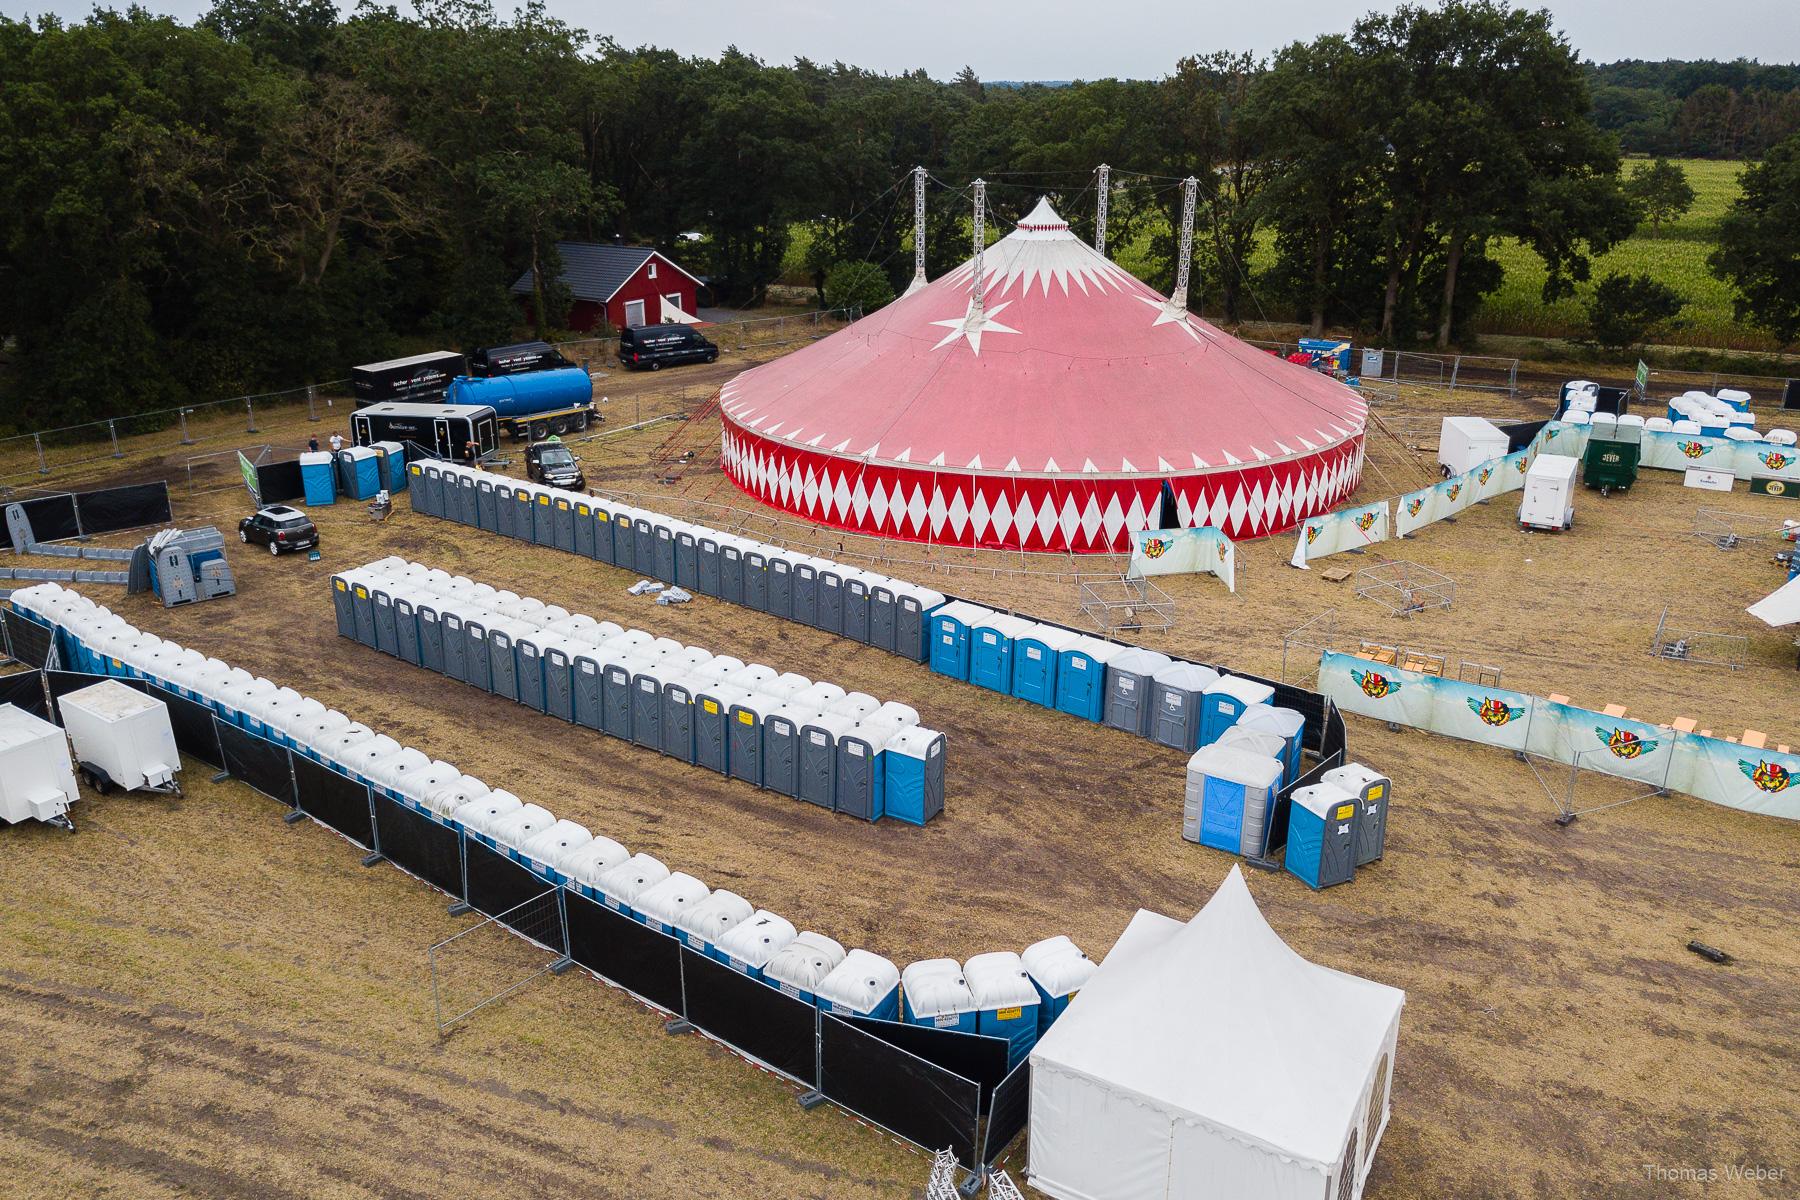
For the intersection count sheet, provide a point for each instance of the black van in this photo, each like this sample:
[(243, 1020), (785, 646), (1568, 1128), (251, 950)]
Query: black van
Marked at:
[(516, 359), (653, 347)]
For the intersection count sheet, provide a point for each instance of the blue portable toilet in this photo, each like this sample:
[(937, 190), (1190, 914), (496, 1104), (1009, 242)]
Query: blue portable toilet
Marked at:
[(361, 468), (620, 887), (748, 946), (1037, 657), (934, 994), (1058, 969), (1006, 1003), (1321, 843), (393, 465), (318, 478), (1226, 700), (1081, 677), (914, 764), (1259, 741), (991, 650), (863, 985), (949, 626), (1176, 695), (1129, 677), (1230, 797), (1287, 724), (799, 967)]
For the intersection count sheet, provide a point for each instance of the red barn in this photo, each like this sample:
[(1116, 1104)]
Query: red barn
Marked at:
[(620, 286)]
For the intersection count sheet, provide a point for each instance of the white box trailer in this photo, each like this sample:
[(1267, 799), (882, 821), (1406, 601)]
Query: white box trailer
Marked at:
[(1464, 443), (122, 738), (1548, 501), (37, 780)]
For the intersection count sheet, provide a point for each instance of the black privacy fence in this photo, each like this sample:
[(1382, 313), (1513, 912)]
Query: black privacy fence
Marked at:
[(933, 1087), (27, 642), (107, 510)]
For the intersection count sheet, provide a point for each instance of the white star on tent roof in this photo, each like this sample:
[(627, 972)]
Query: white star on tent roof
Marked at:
[(973, 324), (1168, 314)]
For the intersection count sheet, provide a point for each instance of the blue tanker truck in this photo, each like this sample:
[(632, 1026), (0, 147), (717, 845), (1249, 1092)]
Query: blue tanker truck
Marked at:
[(532, 403)]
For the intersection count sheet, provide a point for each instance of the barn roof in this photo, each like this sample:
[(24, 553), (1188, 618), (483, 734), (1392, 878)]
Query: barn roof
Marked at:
[(596, 271)]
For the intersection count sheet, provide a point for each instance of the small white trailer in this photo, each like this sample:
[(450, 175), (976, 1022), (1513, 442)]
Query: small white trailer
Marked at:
[(1464, 443), (37, 780), (1548, 501), (122, 738)]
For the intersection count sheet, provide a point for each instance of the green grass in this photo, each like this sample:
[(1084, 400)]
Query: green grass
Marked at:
[(1675, 256)]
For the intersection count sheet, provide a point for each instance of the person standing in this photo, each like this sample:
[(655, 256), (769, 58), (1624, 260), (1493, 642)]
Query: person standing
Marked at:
[(337, 441), (312, 443)]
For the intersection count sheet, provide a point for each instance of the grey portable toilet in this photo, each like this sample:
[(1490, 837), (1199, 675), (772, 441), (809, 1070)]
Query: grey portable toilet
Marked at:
[(663, 551), (756, 577), (387, 638), (857, 586), (431, 634), (706, 561), (586, 526), (830, 585), (543, 516), (466, 502), (911, 621), (562, 519), (818, 757), (528, 645), (624, 539), (781, 585), (731, 568), (522, 518), (427, 485), (362, 596), (781, 751), (1371, 791), (712, 718), (803, 597), (454, 647), (504, 504), (1128, 680), (487, 509), (678, 716), (615, 698), (744, 736), (646, 707), (559, 680), (585, 674), (643, 542), (1321, 843), (475, 653), (406, 630), (1176, 694), (687, 556), (503, 657), (861, 774), (343, 604)]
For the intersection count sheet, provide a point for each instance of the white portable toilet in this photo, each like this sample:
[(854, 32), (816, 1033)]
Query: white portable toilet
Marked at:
[(1006, 1003), (37, 779), (803, 964), (480, 814), (392, 774), (863, 985), (1229, 797), (703, 924), (589, 862), (1548, 501), (934, 993), (547, 851), (662, 905), (621, 886), (1058, 969), (748, 946), (512, 831)]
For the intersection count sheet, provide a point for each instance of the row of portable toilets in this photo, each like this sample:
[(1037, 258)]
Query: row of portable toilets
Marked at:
[(1004, 994), (1333, 826), (358, 472), (864, 606), (845, 751)]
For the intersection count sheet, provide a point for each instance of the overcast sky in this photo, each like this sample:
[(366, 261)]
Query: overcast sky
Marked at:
[(1061, 39)]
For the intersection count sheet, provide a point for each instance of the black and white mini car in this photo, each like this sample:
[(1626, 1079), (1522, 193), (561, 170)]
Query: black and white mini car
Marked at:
[(279, 528)]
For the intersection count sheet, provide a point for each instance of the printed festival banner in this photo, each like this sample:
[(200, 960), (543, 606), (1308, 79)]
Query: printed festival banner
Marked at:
[(1559, 437), (1414, 510), (1679, 451), (1763, 781), (1377, 690), (1346, 529), (1492, 715), (1498, 476), (1453, 495), (1202, 551)]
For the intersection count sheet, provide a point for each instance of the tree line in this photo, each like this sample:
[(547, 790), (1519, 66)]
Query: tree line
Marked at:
[(1730, 110), (277, 191)]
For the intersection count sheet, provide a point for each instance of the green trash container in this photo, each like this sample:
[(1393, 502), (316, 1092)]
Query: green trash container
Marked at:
[(1611, 459)]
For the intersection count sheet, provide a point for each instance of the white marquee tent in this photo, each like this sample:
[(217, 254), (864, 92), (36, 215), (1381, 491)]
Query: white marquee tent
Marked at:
[(1210, 1060), (1780, 607)]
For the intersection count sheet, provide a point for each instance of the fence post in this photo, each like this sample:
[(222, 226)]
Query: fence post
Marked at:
[(1512, 381), (1454, 368), (312, 396), (185, 439), (250, 407), (113, 429), (38, 440)]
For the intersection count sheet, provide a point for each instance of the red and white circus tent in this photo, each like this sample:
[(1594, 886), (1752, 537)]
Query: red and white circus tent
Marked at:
[(1048, 418)]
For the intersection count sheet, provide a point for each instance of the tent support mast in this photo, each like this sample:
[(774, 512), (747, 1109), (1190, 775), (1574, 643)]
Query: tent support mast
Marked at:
[(1104, 187), (978, 302), (1178, 300), (918, 279)]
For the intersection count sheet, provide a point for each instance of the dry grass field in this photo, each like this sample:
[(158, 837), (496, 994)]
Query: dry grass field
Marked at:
[(203, 1001)]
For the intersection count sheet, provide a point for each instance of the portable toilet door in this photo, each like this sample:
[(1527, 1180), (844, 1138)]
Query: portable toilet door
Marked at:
[(950, 637), (818, 757), (646, 708), (861, 769), (934, 994), (1037, 659), (744, 737), (756, 578), (830, 590), (804, 592), (781, 752), (916, 604), (431, 633), (712, 717), (1057, 969), (317, 479), (1321, 844), (1128, 679), (487, 506), (863, 985), (1285, 723), (543, 519), (387, 635), (503, 657), (585, 674), (1081, 677), (856, 604), (780, 582), (521, 508), (706, 563), (476, 653), (1006, 1003), (913, 764), (884, 614), (428, 487), (344, 605), (687, 556), (562, 519), (678, 718), (990, 651), (1371, 791), (363, 598), (393, 465), (365, 471), (1177, 694), (1226, 700), (529, 650), (455, 646), (731, 569), (1229, 789), (624, 543), (585, 526), (406, 630), (464, 512), (615, 698)]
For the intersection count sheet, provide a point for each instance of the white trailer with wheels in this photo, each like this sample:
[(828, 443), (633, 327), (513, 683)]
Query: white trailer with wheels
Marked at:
[(1548, 501), (1464, 443), (122, 738), (37, 780)]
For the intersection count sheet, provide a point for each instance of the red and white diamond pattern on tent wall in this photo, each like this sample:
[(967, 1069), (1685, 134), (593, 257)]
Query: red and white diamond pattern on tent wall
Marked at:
[(1083, 514)]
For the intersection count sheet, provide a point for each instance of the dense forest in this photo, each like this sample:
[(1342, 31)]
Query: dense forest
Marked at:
[(1730, 110), (276, 191)]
